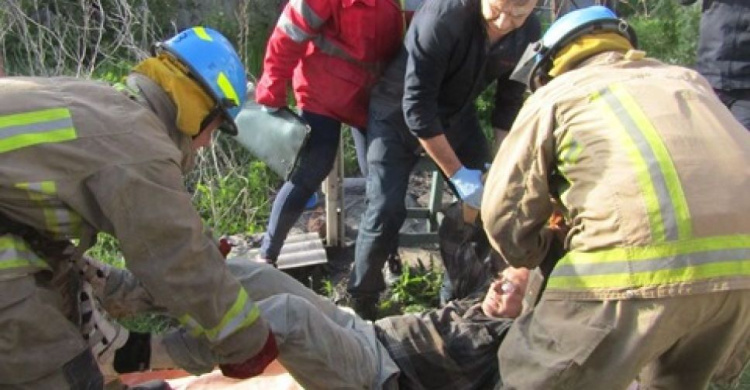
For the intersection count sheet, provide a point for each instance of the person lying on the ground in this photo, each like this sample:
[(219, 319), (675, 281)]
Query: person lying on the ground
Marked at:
[(324, 346)]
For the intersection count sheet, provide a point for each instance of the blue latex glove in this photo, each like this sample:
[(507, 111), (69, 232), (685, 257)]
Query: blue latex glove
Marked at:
[(468, 183)]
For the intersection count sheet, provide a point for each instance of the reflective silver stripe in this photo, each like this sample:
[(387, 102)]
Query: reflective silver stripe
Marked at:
[(239, 321), (666, 207), (38, 127), (292, 30), (636, 266), (307, 13), (333, 50)]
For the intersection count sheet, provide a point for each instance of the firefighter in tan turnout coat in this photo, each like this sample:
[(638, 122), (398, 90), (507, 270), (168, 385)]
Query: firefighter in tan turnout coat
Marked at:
[(79, 157), (652, 172)]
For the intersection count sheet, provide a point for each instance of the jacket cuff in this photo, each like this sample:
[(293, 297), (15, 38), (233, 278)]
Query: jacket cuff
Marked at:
[(270, 94)]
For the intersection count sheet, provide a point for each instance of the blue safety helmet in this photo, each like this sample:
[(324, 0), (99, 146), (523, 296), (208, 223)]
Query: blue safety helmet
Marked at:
[(533, 68), (213, 62)]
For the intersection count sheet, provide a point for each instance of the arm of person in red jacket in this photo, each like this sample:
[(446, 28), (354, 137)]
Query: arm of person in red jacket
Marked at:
[(300, 21)]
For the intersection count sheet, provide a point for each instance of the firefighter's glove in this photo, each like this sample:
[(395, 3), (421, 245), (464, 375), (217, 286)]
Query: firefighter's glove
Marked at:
[(255, 365), (468, 183)]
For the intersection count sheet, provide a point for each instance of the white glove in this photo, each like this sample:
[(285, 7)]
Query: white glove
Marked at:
[(468, 183)]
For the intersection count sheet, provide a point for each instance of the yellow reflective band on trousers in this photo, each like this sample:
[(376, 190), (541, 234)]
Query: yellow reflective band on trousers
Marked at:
[(668, 214), (243, 313), (15, 253), (660, 264), (60, 221), (21, 130)]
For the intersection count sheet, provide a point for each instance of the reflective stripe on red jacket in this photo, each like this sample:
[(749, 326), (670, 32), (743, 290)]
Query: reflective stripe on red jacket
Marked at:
[(333, 51)]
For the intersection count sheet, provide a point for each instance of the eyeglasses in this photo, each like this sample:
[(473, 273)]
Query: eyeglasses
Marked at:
[(507, 8), (507, 287)]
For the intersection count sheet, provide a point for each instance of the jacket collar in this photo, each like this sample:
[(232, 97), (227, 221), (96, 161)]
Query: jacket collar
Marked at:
[(155, 99)]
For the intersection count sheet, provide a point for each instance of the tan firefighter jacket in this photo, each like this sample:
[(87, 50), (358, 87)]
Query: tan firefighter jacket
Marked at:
[(652, 171), (78, 155)]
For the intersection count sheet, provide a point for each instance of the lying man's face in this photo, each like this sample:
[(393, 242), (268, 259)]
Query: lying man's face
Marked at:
[(504, 298)]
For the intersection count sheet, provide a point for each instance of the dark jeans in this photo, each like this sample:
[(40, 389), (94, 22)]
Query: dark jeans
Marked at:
[(738, 102), (316, 161), (360, 145), (392, 153)]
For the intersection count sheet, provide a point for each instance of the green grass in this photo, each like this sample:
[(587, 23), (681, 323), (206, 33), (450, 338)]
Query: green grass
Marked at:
[(417, 290)]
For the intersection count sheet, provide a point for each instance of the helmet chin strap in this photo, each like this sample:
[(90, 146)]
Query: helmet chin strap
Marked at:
[(212, 115)]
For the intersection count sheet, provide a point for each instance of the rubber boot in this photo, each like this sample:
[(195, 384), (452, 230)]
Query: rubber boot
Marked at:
[(367, 308)]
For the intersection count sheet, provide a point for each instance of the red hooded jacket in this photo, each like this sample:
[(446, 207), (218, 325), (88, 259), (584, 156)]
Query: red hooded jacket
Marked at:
[(333, 51)]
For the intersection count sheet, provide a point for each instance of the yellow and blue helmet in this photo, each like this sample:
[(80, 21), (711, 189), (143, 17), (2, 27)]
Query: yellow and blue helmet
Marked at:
[(533, 68), (214, 63)]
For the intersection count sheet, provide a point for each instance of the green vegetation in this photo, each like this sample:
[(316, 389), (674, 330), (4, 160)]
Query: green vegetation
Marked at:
[(669, 32), (416, 290)]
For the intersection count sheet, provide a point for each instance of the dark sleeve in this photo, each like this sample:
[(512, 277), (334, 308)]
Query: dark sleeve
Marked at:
[(508, 101), (509, 94), (428, 43)]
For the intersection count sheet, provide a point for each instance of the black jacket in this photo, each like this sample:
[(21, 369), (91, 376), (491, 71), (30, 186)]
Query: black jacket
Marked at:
[(446, 62), (454, 347), (724, 46)]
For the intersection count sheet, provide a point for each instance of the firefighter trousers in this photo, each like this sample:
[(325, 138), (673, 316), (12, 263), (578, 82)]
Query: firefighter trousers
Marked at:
[(665, 343)]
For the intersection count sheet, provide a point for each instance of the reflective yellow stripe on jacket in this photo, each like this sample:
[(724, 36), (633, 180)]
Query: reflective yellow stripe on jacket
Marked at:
[(674, 256), (658, 264), (243, 313), (21, 130), (16, 254), (668, 213), (60, 221), (36, 127)]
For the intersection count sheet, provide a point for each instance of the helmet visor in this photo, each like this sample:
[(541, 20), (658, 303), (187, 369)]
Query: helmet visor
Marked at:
[(525, 65)]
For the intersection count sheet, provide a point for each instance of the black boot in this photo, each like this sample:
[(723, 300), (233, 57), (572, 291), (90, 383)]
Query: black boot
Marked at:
[(367, 308), (393, 269)]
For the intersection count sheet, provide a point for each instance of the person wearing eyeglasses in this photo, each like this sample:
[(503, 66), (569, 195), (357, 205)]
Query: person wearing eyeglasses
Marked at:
[(425, 103)]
